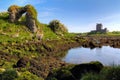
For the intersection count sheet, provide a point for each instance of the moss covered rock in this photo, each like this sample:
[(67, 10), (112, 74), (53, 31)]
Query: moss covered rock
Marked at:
[(79, 70), (22, 62)]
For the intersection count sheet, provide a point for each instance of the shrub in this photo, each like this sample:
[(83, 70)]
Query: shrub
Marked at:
[(57, 27), (108, 73), (9, 75), (4, 15), (112, 73)]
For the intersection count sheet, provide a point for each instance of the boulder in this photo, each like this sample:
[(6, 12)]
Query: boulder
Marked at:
[(79, 70), (22, 62)]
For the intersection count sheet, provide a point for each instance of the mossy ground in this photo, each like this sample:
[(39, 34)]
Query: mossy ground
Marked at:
[(16, 41)]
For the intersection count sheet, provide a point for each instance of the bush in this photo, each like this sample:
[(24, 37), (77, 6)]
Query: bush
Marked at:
[(4, 15), (9, 75), (108, 73), (113, 73), (57, 27)]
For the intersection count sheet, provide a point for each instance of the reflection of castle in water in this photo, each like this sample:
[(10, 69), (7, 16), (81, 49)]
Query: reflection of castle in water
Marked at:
[(99, 29)]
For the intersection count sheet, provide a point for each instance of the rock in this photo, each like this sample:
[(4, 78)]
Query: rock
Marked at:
[(79, 70), (62, 74), (39, 36), (22, 62)]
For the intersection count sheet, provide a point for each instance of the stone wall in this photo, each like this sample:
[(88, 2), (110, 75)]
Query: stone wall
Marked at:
[(15, 13)]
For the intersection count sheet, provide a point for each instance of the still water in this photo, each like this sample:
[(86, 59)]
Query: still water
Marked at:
[(106, 55)]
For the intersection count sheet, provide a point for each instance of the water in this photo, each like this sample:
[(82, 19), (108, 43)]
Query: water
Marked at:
[(106, 55)]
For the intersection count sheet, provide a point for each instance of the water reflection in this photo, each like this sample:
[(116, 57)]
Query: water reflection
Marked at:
[(106, 55)]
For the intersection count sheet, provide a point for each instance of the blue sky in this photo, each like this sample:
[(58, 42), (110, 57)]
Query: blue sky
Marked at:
[(76, 15)]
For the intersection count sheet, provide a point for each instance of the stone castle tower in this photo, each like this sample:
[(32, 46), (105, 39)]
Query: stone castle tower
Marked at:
[(99, 28)]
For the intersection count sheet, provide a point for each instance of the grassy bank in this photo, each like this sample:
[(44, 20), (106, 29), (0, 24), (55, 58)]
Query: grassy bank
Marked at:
[(107, 73), (24, 57)]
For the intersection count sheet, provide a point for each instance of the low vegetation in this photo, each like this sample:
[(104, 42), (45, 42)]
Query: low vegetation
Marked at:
[(107, 73), (113, 33), (57, 27)]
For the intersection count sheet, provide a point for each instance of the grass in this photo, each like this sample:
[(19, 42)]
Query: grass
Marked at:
[(18, 32), (16, 40), (113, 33), (48, 33), (108, 73)]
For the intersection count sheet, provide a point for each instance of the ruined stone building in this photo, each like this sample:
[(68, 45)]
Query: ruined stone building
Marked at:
[(99, 28), (16, 12)]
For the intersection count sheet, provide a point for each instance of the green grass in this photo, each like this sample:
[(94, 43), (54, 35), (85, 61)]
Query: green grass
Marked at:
[(108, 73), (12, 74), (9, 31), (113, 33), (48, 33), (18, 41)]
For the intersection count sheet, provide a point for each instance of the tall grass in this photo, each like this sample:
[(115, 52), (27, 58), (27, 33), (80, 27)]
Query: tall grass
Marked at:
[(107, 73)]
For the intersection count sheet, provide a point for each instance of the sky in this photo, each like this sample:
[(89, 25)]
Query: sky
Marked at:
[(77, 15)]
